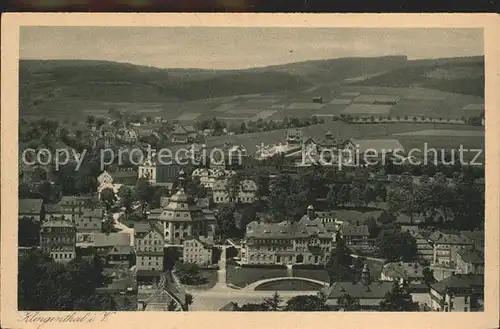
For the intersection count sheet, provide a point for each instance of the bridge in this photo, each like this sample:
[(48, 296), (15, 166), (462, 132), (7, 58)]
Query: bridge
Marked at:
[(253, 286)]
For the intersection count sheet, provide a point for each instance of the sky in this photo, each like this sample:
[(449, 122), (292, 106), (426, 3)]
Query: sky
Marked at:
[(236, 48)]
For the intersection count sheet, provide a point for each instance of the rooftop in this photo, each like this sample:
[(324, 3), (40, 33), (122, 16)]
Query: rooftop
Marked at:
[(403, 270), (30, 206), (471, 256), (459, 282), (111, 239), (374, 290), (355, 230)]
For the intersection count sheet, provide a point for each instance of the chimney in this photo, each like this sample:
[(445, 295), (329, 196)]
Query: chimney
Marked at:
[(365, 275), (310, 212)]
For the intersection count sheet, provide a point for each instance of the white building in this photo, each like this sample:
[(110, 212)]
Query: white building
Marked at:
[(247, 192)]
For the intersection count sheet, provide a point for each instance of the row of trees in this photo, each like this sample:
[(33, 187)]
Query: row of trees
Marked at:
[(44, 284)]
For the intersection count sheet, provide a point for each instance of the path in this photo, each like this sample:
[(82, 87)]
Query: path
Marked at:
[(122, 227)]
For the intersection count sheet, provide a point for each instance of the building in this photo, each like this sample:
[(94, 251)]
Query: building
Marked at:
[(58, 239), (72, 206), (120, 256), (208, 177), (294, 137), (182, 217), (470, 262), (126, 176), (370, 293), (102, 242), (156, 172), (356, 236), (425, 251), (90, 220), (128, 136), (403, 272), (183, 134), (446, 245), (148, 243), (458, 293), (246, 193), (33, 209), (308, 241), (198, 251)]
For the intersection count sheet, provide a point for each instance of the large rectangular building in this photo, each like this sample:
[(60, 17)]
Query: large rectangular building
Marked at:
[(308, 241)]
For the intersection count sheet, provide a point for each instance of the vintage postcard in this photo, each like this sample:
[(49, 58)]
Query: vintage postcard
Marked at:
[(190, 170)]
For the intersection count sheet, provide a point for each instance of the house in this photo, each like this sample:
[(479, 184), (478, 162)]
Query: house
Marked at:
[(198, 251), (148, 243), (90, 220), (156, 171), (445, 246), (129, 136), (458, 293), (470, 261), (124, 177), (246, 192), (120, 256), (370, 293), (357, 236), (294, 136), (31, 208), (425, 251), (58, 239), (403, 272), (208, 177), (72, 206), (180, 135), (308, 241)]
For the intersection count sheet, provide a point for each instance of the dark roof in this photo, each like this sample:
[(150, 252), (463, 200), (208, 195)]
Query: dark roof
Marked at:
[(120, 250), (111, 239), (143, 228), (30, 206), (471, 256), (449, 238), (53, 208), (229, 307), (124, 174), (375, 290), (355, 230), (58, 223), (288, 230), (459, 282)]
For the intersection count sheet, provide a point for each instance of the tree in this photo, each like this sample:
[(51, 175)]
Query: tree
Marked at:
[(428, 276), (306, 303), (28, 232), (47, 285), (126, 198), (90, 120), (348, 303), (394, 245), (108, 197), (108, 225), (274, 303), (188, 273), (143, 192), (157, 195), (262, 182), (398, 300), (339, 263), (252, 307), (226, 224), (372, 227)]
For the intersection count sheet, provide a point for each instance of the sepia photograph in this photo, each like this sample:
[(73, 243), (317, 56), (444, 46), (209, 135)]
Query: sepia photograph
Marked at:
[(249, 169)]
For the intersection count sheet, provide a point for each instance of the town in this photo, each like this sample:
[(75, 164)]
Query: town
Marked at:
[(256, 230)]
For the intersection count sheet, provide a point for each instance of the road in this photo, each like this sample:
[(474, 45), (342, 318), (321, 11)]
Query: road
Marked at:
[(122, 227), (220, 295)]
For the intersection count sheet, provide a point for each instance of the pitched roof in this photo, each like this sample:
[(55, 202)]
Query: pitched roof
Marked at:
[(449, 238), (287, 230), (355, 230), (120, 250), (375, 290), (58, 223), (471, 256), (111, 239), (143, 228), (124, 174), (179, 130), (403, 270), (30, 206), (459, 282)]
